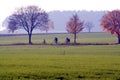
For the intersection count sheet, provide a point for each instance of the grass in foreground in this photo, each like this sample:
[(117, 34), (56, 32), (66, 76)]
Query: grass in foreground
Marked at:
[(60, 62)]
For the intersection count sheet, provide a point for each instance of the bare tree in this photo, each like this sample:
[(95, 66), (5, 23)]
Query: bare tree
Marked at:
[(111, 23), (12, 26), (74, 26), (48, 26), (28, 18), (89, 26)]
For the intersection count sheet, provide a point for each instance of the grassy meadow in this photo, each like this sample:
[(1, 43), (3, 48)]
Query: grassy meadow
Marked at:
[(60, 62), (81, 38)]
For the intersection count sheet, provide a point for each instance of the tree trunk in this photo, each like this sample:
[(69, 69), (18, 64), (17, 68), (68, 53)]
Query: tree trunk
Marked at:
[(118, 40), (74, 38), (30, 36)]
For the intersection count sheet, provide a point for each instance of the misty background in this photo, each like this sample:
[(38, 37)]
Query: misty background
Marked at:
[(61, 17)]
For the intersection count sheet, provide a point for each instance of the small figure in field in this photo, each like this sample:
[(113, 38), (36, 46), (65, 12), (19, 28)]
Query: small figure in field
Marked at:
[(55, 40), (67, 40), (44, 41)]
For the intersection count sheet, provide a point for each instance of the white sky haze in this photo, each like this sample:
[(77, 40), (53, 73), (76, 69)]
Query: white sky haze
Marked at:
[(7, 7)]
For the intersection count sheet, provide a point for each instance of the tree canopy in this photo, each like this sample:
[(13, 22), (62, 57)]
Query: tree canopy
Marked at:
[(74, 26), (111, 23)]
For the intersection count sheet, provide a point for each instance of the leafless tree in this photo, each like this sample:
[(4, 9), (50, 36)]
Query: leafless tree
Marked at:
[(28, 18), (48, 26), (89, 26)]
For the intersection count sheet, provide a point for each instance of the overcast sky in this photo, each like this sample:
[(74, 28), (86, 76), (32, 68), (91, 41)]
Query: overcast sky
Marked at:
[(7, 7)]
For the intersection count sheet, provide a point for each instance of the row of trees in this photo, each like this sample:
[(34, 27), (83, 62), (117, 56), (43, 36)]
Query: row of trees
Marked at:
[(33, 17), (110, 22)]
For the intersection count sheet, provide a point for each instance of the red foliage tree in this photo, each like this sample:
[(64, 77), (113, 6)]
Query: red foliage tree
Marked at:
[(74, 26), (111, 23)]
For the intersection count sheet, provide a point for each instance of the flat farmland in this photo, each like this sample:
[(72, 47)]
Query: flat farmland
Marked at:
[(81, 38), (60, 62)]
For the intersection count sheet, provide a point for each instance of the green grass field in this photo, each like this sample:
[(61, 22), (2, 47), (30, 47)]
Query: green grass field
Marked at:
[(81, 38), (60, 62)]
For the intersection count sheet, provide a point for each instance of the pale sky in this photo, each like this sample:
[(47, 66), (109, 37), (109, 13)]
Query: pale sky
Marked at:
[(7, 7)]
